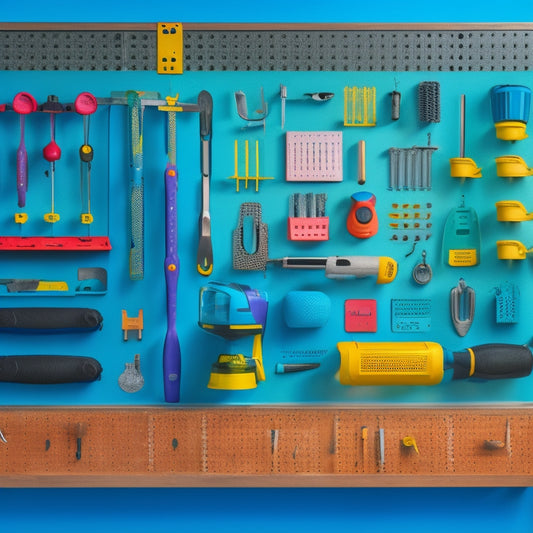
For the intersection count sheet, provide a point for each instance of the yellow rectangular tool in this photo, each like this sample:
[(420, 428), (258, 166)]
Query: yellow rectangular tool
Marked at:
[(169, 48)]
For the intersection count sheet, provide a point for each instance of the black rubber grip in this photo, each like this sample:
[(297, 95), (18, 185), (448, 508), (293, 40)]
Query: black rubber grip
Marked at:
[(494, 361), (49, 319), (48, 369)]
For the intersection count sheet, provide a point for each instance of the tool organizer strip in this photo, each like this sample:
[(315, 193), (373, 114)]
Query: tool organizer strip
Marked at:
[(421, 49), (267, 446)]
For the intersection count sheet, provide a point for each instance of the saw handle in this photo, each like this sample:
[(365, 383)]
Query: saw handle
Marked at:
[(48, 369), (492, 361)]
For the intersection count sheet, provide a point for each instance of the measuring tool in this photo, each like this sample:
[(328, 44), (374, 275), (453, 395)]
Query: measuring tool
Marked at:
[(204, 258), (345, 267), (233, 311), (52, 153), (86, 104), (428, 363), (24, 104), (362, 221)]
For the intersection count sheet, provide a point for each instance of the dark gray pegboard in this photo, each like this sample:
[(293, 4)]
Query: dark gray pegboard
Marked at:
[(262, 50)]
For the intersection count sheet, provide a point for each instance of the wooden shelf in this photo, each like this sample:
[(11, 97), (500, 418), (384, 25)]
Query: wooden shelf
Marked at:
[(266, 446)]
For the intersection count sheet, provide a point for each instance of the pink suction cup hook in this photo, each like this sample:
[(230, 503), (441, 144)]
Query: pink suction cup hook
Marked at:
[(24, 103), (85, 104)]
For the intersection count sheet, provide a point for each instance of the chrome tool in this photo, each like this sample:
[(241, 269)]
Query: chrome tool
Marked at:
[(462, 307), (242, 109), (204, 258), (345, 267)]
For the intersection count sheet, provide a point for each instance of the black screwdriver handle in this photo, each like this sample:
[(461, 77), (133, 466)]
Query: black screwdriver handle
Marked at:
[(48, 369), (49, 319), (493, 361)]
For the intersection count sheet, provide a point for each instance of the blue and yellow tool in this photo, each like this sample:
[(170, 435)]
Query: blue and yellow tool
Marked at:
[(234, 311)]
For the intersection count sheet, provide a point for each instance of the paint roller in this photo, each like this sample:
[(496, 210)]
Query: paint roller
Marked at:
[(429, 363)]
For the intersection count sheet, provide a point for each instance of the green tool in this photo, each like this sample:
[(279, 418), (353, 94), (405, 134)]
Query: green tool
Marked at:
[(462, 241)]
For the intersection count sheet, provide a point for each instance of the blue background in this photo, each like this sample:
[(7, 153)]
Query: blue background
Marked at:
[(269, 509)]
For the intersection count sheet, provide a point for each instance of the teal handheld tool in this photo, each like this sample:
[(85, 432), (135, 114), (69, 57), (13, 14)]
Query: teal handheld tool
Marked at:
[(462, 240), (234, 311)]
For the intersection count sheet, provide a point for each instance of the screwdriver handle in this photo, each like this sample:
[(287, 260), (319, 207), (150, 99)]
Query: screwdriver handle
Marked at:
[(48, 369), (491, 361)]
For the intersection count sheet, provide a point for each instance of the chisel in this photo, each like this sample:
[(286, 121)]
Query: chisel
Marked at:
[(428, 363)]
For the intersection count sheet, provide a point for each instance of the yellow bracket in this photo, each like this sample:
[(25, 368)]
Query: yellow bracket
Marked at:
[(132, 323), (512, 211), (169, 48), (171, 104), (511, 250), (464, 167), (512, 166), (52, 218), (21, 218)]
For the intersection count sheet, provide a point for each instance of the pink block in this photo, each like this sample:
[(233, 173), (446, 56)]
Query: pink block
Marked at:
[(313, 156)]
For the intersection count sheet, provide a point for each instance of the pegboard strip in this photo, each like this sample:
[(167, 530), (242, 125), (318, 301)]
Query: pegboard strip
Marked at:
[(279, 47), (267, 446)]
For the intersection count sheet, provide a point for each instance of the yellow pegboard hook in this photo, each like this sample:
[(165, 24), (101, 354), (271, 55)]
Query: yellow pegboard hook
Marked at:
[(512, 166), (510, 249), (512, 211)]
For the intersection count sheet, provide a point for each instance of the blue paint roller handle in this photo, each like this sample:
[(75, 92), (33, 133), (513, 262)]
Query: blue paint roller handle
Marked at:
[(171, 349)]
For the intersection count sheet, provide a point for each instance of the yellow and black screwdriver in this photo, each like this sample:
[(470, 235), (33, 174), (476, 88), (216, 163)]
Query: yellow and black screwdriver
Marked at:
[(428, 363)]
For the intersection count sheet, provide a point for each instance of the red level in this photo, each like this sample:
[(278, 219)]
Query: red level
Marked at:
[(54, 243)]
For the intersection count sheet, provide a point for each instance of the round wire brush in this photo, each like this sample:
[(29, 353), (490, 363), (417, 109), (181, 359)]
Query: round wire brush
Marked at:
[(429, 101)]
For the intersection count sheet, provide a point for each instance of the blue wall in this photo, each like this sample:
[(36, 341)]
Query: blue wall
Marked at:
[(387, 509)]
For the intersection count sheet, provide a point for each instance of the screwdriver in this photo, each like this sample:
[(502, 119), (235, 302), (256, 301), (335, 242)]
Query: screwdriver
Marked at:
[(345, 267)]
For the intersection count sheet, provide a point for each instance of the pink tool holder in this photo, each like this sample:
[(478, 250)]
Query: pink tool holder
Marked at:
[(308, 228), (313, 156)]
